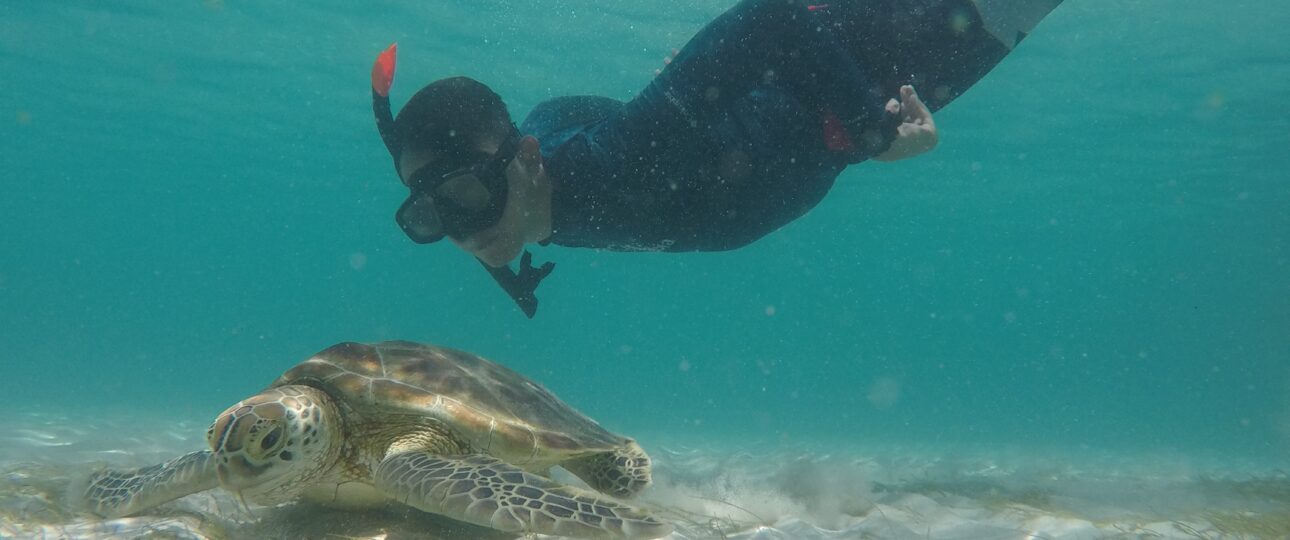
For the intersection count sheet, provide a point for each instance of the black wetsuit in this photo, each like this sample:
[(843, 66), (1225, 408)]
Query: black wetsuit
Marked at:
[(728, 143)]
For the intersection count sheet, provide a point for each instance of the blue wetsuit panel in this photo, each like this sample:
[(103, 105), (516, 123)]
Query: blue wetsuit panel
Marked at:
[(709, 189)]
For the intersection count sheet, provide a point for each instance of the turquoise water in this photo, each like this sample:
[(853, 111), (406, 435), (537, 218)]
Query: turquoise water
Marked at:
[(1097, 256)]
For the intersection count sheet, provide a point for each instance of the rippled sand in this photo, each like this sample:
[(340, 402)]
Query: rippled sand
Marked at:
[(709, 491)]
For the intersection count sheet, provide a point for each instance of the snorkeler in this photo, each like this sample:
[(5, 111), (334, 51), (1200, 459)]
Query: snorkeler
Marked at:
[(742, 132)]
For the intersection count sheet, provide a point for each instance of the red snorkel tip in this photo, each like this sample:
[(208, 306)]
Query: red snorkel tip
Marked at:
[(383, 71)]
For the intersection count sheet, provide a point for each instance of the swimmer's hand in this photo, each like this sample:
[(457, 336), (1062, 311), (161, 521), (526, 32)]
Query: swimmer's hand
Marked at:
[(917, 131)]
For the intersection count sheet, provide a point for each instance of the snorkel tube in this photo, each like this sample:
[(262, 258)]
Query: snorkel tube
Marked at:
[(382, 78), (522, 287)]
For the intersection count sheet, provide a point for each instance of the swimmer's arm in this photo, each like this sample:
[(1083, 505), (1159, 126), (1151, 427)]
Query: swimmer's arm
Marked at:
[(917, 131)]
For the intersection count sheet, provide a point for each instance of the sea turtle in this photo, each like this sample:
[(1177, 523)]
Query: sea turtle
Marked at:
[(441, 430)]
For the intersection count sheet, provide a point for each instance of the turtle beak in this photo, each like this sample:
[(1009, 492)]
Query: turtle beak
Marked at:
[(238, 473)]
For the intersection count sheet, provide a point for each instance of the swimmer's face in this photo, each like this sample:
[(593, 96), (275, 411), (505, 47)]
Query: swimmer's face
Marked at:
[(527, 214)]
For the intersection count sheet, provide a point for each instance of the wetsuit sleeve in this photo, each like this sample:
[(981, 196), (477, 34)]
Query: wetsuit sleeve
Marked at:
[(779, 42)]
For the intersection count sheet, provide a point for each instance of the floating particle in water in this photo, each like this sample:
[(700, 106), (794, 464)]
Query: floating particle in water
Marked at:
[(884, 392), (960, 22), (1216, 100), (941, 93), (357, 260)]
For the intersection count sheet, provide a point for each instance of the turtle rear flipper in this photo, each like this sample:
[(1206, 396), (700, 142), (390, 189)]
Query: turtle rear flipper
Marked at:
[(486, 491), (121, 492)]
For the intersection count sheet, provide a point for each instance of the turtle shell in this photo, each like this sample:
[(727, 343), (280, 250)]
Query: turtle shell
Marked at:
[(490, 406)]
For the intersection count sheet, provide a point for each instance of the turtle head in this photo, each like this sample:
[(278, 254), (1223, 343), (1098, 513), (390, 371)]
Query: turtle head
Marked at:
[(272, 445)]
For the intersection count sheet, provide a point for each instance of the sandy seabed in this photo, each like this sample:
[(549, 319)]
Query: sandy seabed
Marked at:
[(710, 491)]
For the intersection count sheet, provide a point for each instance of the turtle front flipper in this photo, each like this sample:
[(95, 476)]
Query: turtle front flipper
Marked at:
[(115, 493), (486, 491), (622, 472)]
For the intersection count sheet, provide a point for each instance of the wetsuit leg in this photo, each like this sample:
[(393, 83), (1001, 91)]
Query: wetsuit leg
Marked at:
[(779, 42), (939, 46)]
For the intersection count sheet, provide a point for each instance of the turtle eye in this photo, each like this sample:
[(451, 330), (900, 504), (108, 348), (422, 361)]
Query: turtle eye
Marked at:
[(271, 440)]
